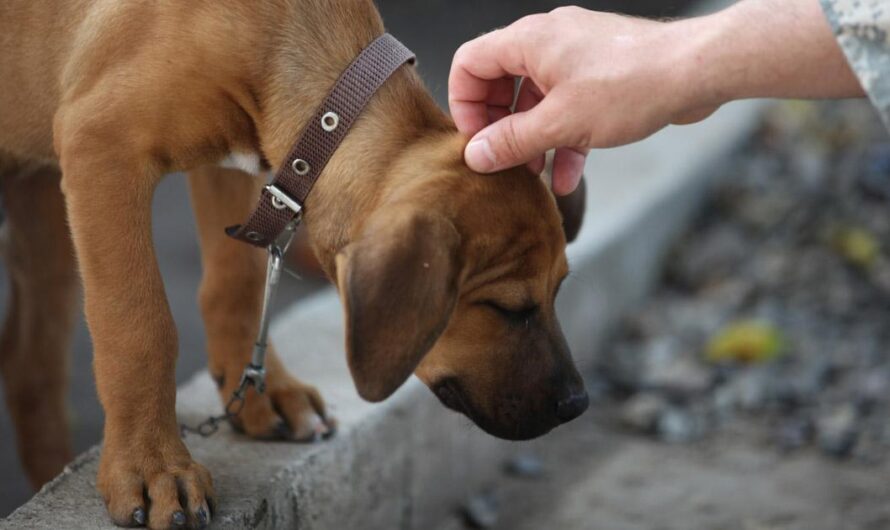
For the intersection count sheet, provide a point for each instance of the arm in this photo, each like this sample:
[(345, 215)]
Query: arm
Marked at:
[(595, 80)]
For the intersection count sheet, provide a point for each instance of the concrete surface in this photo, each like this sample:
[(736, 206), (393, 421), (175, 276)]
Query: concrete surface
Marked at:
[(433, 29), (407, 462)]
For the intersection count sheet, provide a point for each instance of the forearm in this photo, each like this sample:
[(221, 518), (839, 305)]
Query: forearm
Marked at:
[(766, 48)]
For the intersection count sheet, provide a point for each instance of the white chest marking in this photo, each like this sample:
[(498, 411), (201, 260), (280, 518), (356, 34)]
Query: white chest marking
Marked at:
[(247, 162)]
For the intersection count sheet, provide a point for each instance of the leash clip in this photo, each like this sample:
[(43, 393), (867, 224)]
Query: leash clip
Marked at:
[(255, 372)]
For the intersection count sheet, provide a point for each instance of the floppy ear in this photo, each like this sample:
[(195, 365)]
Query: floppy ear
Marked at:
[(572, 208), (398, 285)]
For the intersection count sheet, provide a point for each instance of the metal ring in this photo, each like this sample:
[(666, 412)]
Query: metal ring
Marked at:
[(301, 167), (330, 121), (278, 204), (253, 236)]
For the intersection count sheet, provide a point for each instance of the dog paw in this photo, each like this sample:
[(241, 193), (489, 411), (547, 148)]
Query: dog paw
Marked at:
[(287, 410), (155, 483)]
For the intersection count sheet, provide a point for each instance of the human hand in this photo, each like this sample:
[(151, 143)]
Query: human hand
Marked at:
[(595, 80), (589, 80)]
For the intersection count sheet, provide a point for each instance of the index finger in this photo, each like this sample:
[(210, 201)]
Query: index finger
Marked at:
[(476, 65)]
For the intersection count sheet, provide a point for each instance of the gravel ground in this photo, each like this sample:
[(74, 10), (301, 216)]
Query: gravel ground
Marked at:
[(752, 390), (775, 305)]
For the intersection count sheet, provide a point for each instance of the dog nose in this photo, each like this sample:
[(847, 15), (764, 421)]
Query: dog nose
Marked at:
[(571, 407)]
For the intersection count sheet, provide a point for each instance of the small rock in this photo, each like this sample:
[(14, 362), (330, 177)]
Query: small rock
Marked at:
[(677, 376), (677, 426), (481, 511), (641, 412), (712, 256), (723, 402), (525, 465), (751, 389), (872, 389), (838, 432), (880, 275), (804, 387), (875, 178), (794, 433)]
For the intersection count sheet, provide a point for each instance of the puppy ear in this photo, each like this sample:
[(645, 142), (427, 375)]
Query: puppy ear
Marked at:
[(398, 285), (572, 207)]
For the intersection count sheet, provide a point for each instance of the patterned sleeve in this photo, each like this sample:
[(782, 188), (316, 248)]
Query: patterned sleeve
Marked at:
[(862, 28)]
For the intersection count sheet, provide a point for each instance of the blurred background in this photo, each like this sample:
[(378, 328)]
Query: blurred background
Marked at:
[(749, 391)]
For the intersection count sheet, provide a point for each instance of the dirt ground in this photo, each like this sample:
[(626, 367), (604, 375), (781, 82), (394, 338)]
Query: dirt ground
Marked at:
[(597, 477)]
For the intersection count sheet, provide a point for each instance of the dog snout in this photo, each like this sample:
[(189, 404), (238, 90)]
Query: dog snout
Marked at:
[(572, 406)]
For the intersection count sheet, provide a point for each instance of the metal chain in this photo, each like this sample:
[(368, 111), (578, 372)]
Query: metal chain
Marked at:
[(255, 372), (208, 427)]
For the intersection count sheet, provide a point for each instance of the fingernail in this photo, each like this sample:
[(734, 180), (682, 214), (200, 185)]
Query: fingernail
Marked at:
[(139, 516), (479, 156)]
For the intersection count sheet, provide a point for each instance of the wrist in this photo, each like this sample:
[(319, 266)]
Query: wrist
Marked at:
[(704, 76), (765, 48)]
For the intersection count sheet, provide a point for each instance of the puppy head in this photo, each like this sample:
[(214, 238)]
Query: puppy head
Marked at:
[(454, 278)]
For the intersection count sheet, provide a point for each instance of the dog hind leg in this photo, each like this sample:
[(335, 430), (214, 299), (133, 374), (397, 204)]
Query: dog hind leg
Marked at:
[(34, 345)]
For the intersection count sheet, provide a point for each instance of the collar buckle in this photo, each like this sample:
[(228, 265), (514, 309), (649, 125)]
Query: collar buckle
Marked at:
[(281, 200)]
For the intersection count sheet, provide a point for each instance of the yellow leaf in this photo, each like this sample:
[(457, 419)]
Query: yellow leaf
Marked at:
[(857, 246), (749, 342)]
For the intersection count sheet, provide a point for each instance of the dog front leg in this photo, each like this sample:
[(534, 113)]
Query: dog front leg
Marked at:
[(231, 299), (146, 473)]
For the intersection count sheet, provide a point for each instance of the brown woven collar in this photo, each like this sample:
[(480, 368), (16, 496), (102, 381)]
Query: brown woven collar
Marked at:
[(282, 201)]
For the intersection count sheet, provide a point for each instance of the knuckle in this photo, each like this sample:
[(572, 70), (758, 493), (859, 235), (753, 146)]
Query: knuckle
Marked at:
[(529, 25), (571, 11)]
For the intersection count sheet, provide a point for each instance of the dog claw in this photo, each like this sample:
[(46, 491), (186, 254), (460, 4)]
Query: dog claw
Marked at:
[(203, 518), (139, 516), (179, 518), (282, 430)]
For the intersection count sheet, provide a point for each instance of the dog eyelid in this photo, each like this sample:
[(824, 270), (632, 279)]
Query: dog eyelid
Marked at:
[(520, 314)]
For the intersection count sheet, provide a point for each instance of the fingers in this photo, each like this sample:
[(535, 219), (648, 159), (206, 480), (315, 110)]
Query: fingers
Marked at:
[(482, 73), (568, 166), (695, 115), (516, 139)]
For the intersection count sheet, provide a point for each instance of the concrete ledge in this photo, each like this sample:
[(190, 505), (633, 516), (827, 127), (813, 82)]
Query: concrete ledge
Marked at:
[(407, 462)]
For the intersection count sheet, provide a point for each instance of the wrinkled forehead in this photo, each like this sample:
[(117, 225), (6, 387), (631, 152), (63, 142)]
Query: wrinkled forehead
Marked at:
[(514, 238)]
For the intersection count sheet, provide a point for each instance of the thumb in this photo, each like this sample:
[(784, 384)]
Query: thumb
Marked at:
[(513, 140)]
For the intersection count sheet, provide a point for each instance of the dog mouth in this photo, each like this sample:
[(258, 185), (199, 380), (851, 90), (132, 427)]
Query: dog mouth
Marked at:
[(449, 395)]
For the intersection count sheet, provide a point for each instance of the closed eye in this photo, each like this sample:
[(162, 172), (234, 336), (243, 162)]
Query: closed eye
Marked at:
[(513, 316)]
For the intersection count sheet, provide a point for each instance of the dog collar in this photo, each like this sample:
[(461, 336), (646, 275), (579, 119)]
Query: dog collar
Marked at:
[(281, 203)]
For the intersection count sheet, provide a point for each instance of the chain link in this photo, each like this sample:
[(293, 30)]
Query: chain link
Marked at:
[(210, 426), (255, 372)]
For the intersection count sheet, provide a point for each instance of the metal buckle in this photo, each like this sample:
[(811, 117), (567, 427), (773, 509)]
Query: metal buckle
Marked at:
[(281, 200)]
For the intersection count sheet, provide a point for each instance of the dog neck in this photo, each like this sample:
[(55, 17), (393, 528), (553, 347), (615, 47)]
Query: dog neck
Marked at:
[(301, 65)]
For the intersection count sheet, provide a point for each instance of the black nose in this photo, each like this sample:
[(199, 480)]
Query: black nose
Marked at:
[(571, 407)]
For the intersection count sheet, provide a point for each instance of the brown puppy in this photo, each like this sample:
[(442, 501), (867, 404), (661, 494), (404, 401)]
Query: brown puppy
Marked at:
[(442, 272)]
